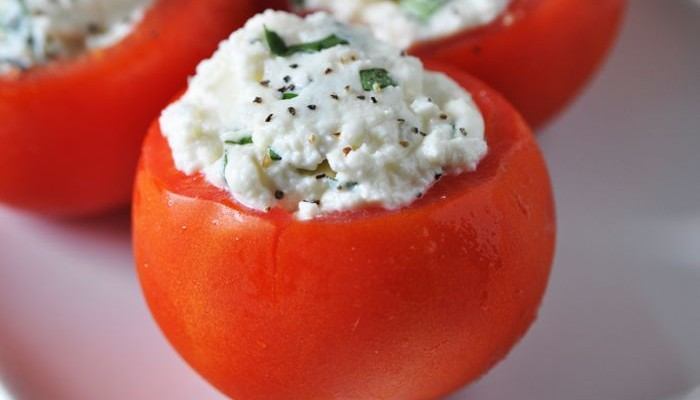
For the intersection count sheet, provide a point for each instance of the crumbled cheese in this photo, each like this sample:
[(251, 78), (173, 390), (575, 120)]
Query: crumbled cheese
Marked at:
[(346, 124), (405, 22)]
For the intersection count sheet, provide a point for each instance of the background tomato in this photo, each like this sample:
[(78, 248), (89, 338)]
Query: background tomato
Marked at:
[(71, 131), (373, 304), (539, 54)]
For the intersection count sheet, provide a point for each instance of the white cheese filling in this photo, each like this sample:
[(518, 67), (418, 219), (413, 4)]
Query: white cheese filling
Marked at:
[(33, 32), (405, 22), (355, 124)]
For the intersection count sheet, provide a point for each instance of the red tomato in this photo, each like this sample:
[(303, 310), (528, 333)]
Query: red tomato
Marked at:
[(539, 54), (71, 131), (372, 304)]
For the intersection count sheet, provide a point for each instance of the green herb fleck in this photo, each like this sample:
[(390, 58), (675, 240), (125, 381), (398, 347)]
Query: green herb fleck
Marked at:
[(378, 76), (289, 95), (223, 172), (243, 140), (273, 155), (278, 46), (421, 9), (315, 47)]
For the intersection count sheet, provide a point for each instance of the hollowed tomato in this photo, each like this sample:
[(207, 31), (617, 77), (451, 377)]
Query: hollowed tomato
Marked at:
[(71, 131), (538, 54), (371, 304)]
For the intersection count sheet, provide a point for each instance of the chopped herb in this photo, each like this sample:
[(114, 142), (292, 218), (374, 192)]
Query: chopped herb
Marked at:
[(277, 45), (241, 141), (289, 95), (223, 172), (378, 76), (315, 47), (279, 48), (273, 155), (348, 185), (422, 9)]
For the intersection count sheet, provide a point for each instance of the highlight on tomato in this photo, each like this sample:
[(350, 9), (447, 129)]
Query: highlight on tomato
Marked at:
[(79, 85), (538, 53), (267, 301)]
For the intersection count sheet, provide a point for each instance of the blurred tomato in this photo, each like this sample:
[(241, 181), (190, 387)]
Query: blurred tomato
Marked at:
[(71, 131)]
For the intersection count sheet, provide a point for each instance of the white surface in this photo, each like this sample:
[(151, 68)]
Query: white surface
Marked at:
[(621, 320)]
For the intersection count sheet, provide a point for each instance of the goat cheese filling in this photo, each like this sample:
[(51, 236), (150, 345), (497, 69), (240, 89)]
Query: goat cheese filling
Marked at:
[(34, 32), (405, 22), (316, 117)]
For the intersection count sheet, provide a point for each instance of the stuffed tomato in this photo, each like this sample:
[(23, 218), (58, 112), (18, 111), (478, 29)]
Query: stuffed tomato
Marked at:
[(538, 53), (80, 83), (319, 217)]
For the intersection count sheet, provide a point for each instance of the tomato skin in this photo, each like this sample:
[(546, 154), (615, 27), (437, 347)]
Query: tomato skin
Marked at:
[(375, 304), (71, 131), (543, 58)]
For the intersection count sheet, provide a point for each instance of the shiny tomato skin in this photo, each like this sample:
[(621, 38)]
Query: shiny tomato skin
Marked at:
[(71, 131), (539, 54), (375, 304)]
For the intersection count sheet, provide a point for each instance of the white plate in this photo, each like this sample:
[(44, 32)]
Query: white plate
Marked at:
[(621, 320)]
